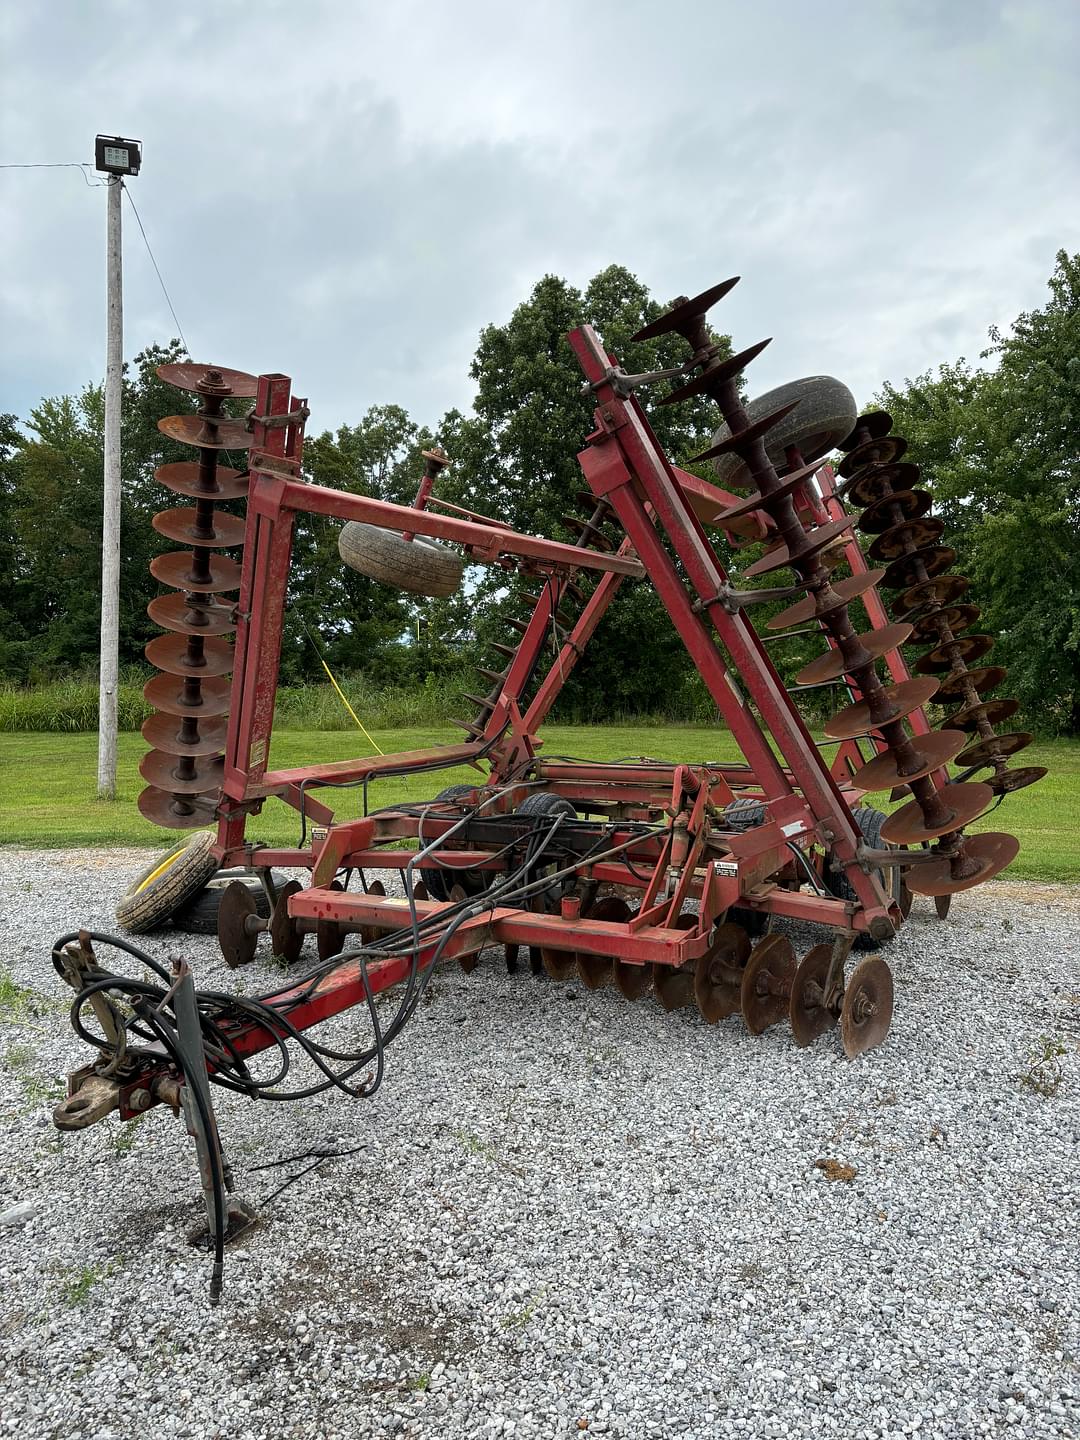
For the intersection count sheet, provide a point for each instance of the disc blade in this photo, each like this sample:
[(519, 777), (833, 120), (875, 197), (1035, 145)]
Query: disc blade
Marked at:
[(985, 752), (1008, 781), (740, 443), (883, 514), (716, 374), (939, 591), (209, 379), (237, 939), (160, 769), (167, 693), (904, 698), (718, 973), (177, 569), (165, 732), (559, 964), (906, 571), (180, 525), (868, 1006), (186, 615), (872, 425), (806, 1007), (883, 451), (981, 679), (894, 543), (186, 477), (962, 650), (832, 664), (171, 653), (876, 482), (285, 936), (758, 501), (683, 313), (814, 606), (177, 812), (989, 852), (208, 434), (992, 711), (766, 984), (955, 618), (813, 541), (932, 752), (963, 802)]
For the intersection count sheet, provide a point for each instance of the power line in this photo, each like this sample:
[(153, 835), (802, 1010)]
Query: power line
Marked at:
[(157, 271), (81, 165)]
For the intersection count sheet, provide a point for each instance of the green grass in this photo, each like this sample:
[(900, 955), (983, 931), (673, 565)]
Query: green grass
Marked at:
[(48, 795)]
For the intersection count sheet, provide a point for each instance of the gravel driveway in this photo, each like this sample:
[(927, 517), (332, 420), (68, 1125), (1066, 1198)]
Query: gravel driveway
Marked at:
[(567, 1214)]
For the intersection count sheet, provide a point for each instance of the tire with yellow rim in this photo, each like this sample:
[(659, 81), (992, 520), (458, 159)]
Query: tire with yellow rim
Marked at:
[(170, 880)]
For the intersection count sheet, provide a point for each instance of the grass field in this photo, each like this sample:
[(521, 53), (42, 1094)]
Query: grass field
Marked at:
[(49, 779)]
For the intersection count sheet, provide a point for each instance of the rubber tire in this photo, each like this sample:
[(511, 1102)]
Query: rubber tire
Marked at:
[(147, 906), (544, 802), (869, 820), (418, 565), (826, 415), (439, 882), (199, 916)]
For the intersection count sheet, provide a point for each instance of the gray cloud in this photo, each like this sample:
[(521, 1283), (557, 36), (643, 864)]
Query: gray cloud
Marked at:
[(349, 192)]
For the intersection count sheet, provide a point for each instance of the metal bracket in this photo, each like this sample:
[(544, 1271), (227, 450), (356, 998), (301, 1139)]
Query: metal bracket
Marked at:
[(624, 385)]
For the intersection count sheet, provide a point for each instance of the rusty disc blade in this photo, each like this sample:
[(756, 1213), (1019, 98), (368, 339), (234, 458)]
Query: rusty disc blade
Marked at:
[(171, 653), (901, 505), (208, 434), (510, 956), (180, 525), (177, 812), (872, 425), (632, 981), (906, 571), (932, 751), (941, 590), (1008, 781), (370, 933), (766, 983), (985, 752), (166, 692), (868, 1005), (806, 1007), (718, 974), (814, 606), (872, 483), (238, 925), (950, 653), (285, 936), (963, 802), (981, 679), (955, 618), (559, 964), (992, 711), (178, 570), (185, 477), (813, 541), (715, 375), (159, 768), (209, 379), (942, 904), (896, 542), (674, 986), (757, 501), (740, 443), (681, 316), (984, 856), (596, 970), (885, 450), (187, 616), (832, 664), (855, 719), (165, 732), (329, 935)]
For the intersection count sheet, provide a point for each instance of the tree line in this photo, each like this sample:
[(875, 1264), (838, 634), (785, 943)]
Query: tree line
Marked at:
[(998, 443)]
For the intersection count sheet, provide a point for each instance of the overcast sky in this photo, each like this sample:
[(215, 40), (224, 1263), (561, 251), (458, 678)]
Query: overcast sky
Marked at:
[(349, 191)]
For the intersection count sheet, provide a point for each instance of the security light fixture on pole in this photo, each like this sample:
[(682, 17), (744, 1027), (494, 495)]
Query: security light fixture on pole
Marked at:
[(115, 158)]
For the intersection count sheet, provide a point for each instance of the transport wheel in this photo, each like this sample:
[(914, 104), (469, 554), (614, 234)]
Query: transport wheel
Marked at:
[(418, 565), (868, 1005), (199, 915), (869, 820), (155, 894), (825, 415)]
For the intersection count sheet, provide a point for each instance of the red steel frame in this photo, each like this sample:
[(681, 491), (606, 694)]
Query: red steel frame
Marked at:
[(652, 500)]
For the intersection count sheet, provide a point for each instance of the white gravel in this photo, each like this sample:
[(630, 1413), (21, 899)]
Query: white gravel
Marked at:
[(570, 1214)]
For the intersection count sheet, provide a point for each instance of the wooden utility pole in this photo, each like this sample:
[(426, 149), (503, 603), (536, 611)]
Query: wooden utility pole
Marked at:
[(110, 515)]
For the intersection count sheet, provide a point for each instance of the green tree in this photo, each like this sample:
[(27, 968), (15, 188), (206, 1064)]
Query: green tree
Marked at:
[(1001, 450)]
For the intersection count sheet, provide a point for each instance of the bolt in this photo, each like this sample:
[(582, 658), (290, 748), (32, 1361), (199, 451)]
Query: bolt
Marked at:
[(140, 1099)]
